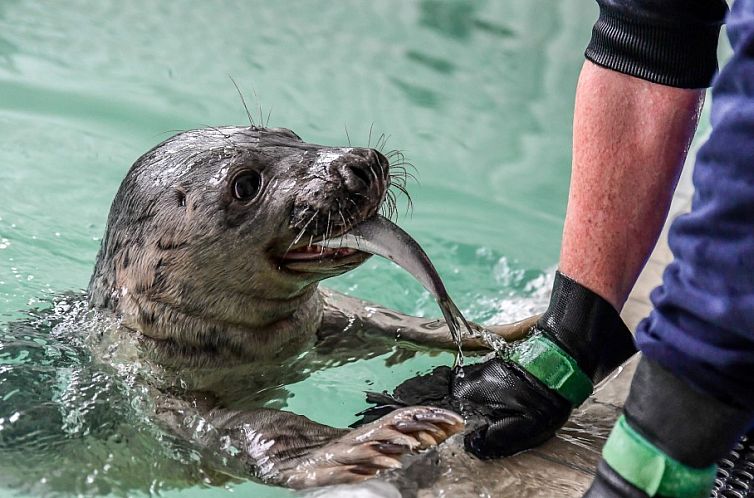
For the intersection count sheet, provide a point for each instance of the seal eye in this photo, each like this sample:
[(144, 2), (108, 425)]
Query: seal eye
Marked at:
[(246, 185)]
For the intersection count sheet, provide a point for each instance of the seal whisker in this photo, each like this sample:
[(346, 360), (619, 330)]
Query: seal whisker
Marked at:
[(389, 207), (349, 216), (303, 229), (259, 106), (348, 211), (224, 136), (409, 202), (382, 142), (347, 135), (313, 217), (306, 208), (301, 234), (396, 158), (397, 179), (369, 141), (243, 101), (327, 232), (402, 189), (346, 226), (402, 171), (163, 133)]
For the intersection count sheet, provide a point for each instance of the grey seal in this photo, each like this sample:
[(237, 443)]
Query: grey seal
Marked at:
[(211, 264)]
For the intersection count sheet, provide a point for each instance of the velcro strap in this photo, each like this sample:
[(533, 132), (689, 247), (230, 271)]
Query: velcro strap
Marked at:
[(645, 466), (546, 361)]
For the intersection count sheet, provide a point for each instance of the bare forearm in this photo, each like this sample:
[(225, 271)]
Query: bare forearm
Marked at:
[(630, 140)]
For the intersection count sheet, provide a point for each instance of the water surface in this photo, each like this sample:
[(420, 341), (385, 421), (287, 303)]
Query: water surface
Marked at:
[(478, 95)]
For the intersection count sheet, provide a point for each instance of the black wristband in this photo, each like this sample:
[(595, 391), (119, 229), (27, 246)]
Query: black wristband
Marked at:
[(686, 424), (670, 43), (587, 327)]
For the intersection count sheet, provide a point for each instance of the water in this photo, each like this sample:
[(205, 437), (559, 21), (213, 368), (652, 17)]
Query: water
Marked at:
[(478, 94)]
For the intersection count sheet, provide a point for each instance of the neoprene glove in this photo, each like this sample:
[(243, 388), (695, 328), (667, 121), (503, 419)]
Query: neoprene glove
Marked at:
[(668, 439), (518, 402)]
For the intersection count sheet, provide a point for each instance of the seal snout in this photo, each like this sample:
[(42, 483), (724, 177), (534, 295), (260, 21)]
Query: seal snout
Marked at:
[(346, 187), (362, 170)]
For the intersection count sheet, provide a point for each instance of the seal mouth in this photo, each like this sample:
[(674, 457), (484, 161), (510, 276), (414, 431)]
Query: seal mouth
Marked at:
[(317, 252), (347, 186), (314, 258)]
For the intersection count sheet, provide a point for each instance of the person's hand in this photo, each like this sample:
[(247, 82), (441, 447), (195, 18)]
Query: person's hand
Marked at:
[(519, 401), (507, 408), (668, 439), (517, 411)]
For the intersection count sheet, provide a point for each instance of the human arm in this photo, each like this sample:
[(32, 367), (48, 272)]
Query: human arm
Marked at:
[(630, 139), (636, 110), (700, 333), (630, 142)]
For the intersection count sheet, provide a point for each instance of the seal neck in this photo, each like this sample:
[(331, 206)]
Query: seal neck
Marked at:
[(230, 326)]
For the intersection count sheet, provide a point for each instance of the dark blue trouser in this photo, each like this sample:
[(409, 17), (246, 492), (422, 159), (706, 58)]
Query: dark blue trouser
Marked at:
[(702, 327)]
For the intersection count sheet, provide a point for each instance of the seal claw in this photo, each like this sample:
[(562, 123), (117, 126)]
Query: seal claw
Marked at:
[(375, 447)]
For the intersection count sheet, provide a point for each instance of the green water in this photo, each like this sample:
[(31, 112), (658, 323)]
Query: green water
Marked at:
[(478, 95)]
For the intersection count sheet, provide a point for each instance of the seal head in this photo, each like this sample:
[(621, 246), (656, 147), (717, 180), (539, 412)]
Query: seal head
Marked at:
[(211, 243)]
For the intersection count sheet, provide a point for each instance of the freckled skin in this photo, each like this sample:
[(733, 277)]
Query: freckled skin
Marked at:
[(197, 267), (625, 169)]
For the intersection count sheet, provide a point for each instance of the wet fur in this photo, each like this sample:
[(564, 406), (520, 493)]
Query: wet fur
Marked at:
[(196, 278), (185, 264)]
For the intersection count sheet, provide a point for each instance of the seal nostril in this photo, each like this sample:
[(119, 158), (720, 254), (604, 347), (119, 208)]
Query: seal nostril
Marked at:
[(360, 172)]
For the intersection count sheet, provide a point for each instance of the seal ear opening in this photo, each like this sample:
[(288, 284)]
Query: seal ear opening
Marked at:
[(180, 197)]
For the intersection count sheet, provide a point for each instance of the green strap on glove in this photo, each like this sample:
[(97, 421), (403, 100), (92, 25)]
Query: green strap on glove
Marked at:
[(546, 361), (645, 466)]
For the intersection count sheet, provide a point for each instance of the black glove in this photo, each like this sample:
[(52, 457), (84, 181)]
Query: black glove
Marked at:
[(668, 440), (500, 399), (515, 403)]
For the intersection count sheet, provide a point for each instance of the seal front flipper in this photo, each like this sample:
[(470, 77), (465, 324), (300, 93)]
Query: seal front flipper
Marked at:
[(342, 312), (362, 453), (291, 450)]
